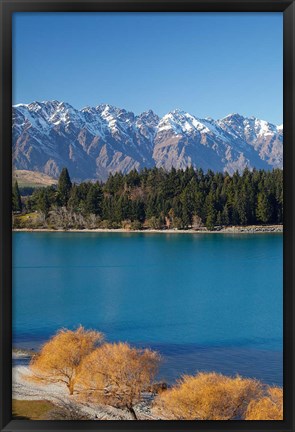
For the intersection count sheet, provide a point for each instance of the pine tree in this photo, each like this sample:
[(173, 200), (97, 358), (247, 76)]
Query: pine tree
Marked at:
[(210, 211), (93, 204), (210, 222), (74, 200), (186, 217), (151, 207), (263, 210), (225, 215), (16, 198), (64, 187), (43, 203), (138, 211), (108, 209), (219, 219), (241, 206)]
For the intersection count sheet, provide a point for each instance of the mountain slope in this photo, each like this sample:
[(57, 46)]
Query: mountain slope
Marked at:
[(32, 178), (96, 141)]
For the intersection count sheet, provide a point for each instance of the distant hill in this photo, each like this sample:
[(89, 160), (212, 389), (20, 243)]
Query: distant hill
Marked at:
[(27, 178), (96, 141)]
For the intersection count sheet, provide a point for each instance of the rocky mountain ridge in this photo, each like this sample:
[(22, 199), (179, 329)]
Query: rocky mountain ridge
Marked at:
[(96, 141)]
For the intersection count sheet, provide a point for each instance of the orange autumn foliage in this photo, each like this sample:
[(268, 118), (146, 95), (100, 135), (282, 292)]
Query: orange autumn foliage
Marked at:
[(269, 407), (117, 374), (208, 396), (60, 358)]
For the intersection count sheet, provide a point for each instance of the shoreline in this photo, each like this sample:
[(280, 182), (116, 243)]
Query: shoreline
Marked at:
[(248, 229), (26, 390)]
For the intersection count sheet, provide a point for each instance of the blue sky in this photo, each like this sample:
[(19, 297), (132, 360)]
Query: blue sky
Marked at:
[(209, 64)]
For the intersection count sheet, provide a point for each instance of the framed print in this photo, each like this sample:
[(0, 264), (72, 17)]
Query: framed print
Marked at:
[(147, 215)]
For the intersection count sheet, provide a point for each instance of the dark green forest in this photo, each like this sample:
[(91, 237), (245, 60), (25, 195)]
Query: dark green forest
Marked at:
[(154, 198)]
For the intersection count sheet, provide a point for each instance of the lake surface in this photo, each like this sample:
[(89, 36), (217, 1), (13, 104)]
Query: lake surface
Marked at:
[(205, 301)]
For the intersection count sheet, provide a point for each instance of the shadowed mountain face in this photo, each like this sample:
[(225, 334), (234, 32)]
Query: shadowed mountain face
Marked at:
[(94, 142)]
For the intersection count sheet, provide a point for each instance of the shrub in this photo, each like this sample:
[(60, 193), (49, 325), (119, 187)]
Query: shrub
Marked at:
[(135, 225), (208, 396), (116, 374), (60, 358), (154, 223), (269, 407)]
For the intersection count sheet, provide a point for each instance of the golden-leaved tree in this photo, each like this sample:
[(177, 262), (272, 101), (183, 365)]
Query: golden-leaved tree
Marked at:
[(60, 359), (269, 407), (117, 374), (208, 396)]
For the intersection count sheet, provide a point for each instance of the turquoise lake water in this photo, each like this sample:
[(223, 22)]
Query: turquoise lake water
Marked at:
[(206, 302)]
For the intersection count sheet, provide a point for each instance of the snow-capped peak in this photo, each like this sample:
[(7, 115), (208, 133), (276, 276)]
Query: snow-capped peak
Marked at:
[(94, 141), (182, 122)]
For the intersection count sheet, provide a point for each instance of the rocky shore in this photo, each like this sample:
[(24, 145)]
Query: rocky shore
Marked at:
[(21, 353), (252, 229), (249, 229), (25, 389)]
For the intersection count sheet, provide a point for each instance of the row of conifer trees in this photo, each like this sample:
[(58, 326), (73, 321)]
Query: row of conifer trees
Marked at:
[(157, 199)]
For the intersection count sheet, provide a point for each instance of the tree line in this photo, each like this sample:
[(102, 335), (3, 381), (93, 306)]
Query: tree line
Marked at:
[(118, 375), (155, 198)]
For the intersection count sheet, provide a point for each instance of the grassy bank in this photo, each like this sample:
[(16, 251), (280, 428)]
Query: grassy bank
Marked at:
[(31, 409)]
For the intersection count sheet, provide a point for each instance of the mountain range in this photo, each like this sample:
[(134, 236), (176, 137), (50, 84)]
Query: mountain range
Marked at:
[(96, 141)]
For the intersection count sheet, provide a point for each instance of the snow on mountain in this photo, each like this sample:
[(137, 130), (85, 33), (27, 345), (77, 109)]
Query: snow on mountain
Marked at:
[(264, 137), (96, 141)]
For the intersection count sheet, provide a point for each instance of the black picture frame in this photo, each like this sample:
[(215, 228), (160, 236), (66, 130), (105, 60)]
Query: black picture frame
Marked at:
[(8, 7)]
